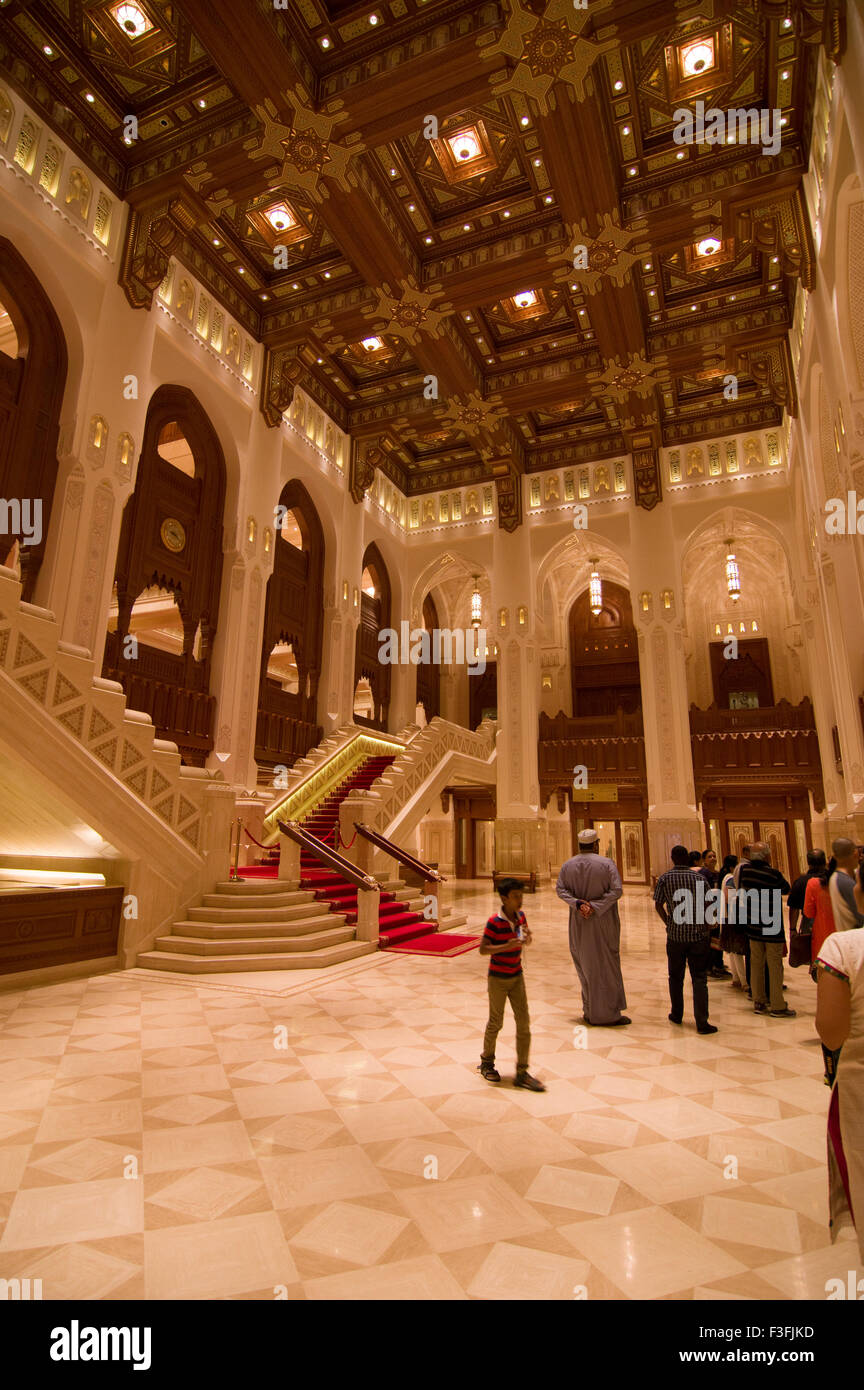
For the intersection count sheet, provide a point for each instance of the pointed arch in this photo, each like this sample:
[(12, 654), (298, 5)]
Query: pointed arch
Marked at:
[(171, 536), (294, 619), (374, 618), (31, 397)]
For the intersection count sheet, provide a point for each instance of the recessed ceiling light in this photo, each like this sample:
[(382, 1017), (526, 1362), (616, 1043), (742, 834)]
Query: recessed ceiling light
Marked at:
[(320, 361), (647, 265), (698, 57), (692, 308), (216, 241), (88, 96), (525, 299), (295, 287), (202, 103), (772, 287), (730, 139), (412, 207), (631, 172), (280, 217), (581, 311), (265, 296), (506, 214), (466, 227), (373, 19), (524, 120), (548, 198), (655, 317), (787, 23), (464, 146), (652, 291), (428, 240), (708, 246), (625, 130), (48, 51), (240, 270), (680, 154), (489, 359), (732, 298), (619, 85), (783, 120), (127, 139), (326, 274), (774, 260), (131, 19), (784, 75), (325, 43), (371, 344), (537, 163)]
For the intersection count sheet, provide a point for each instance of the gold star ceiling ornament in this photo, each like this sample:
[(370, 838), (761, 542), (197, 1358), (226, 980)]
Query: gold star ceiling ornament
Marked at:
[(472, 413), (309, 156), (408, 315), (606, 260), (635, 376), (546, 49)]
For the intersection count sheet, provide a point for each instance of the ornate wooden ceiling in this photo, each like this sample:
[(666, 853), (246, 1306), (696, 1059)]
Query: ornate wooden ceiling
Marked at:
[(394, 196)]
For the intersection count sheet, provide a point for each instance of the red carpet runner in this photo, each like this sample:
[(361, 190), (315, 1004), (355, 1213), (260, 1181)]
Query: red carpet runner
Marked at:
[(397, 923)]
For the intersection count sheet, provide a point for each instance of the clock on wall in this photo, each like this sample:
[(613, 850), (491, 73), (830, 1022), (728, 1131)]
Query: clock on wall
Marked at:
[(173, 534)]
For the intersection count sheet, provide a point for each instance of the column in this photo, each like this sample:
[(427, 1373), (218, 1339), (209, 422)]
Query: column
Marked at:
[(520, 829), (842, 664), (672, 813)]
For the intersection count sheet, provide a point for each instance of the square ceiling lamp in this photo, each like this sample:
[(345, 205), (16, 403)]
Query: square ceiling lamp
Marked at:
[(464, 150), (126, 26), (527, 304), (709, 252), (277, 223), (701, 63), (132, 20), (372, 349)]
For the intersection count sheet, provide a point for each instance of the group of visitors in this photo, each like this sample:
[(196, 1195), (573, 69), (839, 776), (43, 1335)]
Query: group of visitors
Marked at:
[(736, 912)]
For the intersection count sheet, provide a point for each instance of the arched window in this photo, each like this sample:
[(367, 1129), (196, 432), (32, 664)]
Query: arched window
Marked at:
[(374, 617), (155, 620), (8, 336), (291, 531), (364, 702), (282, 667)]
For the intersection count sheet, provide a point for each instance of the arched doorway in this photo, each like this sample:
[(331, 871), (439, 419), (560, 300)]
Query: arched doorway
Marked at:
[(33, 364), (374, 617), (429, 673), (171, 547), (293, 631)]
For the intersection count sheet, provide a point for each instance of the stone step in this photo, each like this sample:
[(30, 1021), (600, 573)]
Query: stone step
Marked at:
[(254, 887), (258, 945), (219, 931), (231, 913), (273, 900), (186, 963)]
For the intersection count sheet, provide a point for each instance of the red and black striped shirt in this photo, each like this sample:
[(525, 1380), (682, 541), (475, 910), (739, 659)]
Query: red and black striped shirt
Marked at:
[(499, 928)]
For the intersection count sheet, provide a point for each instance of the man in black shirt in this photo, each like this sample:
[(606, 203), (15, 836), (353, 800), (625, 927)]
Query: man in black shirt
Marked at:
[(795, 901), (758, 907)]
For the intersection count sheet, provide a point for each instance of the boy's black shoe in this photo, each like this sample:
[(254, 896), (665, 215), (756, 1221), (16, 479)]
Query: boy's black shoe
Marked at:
[(759, 1008), (674, 1020), (488, 1072), (709, 1028), (529, 1083)]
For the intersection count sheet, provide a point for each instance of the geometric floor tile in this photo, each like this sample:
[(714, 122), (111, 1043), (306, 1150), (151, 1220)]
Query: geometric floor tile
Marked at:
[(349, 1232), (189, 1110), (204, 1194), (511, 1271)]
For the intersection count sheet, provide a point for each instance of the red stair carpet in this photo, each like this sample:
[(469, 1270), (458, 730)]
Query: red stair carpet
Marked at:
[(439, 944)]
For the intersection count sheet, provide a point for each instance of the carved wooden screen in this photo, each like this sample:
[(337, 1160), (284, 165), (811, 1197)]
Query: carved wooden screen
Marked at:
[(374, 617), (742, 676), (604, 655), (171, 537), (31, 396), (429, 674), (287, 721)]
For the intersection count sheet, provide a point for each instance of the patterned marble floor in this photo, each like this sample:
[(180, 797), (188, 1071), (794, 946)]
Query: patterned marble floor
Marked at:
[(272, 1136)]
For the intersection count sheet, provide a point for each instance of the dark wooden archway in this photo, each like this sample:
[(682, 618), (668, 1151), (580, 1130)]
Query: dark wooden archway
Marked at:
[(287, 723), (31, 397), (604, 655), (173, 689), (374, 616), (429, 674)]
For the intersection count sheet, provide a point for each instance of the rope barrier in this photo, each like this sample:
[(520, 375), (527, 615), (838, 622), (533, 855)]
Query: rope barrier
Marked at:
[(256, 842), (346, 844)]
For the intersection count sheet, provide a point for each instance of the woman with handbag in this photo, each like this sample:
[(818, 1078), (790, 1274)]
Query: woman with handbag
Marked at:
[(840, 1025)]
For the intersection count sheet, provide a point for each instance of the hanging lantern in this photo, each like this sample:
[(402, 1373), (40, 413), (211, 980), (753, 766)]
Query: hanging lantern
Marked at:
[(733, 577), (476, 605), (595, 590)]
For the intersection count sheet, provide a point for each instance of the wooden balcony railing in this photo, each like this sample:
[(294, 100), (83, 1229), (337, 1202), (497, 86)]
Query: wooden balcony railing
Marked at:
[(769, 747), (611, 748)]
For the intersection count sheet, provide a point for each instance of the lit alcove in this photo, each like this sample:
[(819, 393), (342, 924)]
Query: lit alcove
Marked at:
[(282, 667), (290, 531), (8, 336), (364, 704), (173, 447), (368, 585), (156, 620)]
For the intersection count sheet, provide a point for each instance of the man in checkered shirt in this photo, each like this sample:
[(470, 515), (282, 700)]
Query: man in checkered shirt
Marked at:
[(688, 938)]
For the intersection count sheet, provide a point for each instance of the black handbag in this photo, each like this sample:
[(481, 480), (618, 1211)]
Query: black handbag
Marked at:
[(800, 944)]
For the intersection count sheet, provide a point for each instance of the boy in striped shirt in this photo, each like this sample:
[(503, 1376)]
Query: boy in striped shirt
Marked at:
[(505, 935)]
